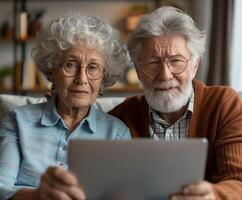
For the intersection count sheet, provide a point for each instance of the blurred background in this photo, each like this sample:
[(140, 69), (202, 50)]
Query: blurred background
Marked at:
[(21, 19)]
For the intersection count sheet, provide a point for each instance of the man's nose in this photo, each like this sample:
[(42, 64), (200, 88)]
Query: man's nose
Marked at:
[(164, 71)]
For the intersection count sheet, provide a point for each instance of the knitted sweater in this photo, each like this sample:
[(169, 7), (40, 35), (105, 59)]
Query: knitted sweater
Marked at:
[(217, 115)]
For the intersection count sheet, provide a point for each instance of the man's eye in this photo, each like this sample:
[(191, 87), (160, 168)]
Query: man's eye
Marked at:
[(177, 61)]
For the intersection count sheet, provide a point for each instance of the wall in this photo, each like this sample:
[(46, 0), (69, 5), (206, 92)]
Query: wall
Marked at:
[(201, 11), (113, 11)]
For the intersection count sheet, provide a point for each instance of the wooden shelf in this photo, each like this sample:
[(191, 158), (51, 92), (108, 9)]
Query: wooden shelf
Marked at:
[(123, 90), (6, 39)]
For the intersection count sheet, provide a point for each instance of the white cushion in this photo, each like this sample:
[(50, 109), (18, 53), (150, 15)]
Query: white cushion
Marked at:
[(8, 102)]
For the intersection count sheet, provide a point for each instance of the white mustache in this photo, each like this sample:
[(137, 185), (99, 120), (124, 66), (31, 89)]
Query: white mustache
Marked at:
[(166, 84)]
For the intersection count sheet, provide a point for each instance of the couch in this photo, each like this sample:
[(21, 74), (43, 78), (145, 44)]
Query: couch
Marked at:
[(8, 102)]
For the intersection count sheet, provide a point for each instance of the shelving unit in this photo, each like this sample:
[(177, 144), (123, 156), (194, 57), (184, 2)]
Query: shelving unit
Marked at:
[(19, 54)]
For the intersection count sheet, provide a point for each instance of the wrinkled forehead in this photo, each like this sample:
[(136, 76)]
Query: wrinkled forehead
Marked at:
[(165, 45), (80, 51)]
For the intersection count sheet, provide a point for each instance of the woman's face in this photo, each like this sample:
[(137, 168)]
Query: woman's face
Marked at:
[(76, 79)]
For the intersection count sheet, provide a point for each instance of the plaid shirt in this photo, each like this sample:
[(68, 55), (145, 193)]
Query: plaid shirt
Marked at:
[(160, 129)]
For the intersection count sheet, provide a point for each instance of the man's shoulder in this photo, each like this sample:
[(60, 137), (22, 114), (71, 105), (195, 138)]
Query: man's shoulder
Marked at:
[(217, 93), (130, 107), (132, 102)]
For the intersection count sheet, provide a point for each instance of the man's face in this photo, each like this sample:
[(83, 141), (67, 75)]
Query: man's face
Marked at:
[(166, 70)]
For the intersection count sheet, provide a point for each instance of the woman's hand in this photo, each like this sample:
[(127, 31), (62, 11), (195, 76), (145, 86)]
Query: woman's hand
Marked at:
[(202, 190), (57, 183)]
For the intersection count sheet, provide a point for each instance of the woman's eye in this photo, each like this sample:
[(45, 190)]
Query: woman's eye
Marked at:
[(155, 62), (70, 65), (93, 67)]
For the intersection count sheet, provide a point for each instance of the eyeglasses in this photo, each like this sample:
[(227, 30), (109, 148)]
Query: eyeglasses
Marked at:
[(71, 68), (176, 65)]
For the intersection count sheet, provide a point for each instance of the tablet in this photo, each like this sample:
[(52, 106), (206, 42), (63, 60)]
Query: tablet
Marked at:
[(141, 169)]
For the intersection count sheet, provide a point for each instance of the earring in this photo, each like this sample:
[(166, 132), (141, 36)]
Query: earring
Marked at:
[(53, 88), (101, 92)]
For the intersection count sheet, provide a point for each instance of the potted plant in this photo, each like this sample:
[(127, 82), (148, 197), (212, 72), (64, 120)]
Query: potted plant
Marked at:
[(6, 77)]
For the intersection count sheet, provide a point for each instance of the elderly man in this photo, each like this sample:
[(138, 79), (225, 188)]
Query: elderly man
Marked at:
[(166, 48)]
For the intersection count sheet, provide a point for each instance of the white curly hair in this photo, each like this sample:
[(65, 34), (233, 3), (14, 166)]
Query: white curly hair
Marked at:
[(73, 29)]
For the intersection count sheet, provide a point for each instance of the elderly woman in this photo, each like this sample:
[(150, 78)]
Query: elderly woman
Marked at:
[(80, 55)]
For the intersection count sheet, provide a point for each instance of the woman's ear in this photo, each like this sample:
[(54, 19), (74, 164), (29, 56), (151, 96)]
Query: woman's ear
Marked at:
[(101, 89), (49, 77)]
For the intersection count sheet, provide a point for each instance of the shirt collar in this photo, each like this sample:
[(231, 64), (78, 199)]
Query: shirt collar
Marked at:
[(51, 117), (91, 119)]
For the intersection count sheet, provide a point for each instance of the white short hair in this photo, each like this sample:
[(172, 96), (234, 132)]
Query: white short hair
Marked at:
[(163, 21)]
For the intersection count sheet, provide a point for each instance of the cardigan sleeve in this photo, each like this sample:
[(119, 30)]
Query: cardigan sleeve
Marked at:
[(228, 151)]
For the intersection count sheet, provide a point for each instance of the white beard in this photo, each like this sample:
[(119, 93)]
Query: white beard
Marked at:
[(168, 101)]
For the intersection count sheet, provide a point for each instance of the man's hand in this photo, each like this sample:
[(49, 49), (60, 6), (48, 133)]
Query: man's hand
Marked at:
[(198, 191), (57, 183)]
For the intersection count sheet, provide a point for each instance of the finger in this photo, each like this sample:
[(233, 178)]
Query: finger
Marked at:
[(192, 197), (74, 192), (48, 185), (59, 174), (210, 196), (183, 197), (44, 192), (200, 188), (65, 177), (58, 195)]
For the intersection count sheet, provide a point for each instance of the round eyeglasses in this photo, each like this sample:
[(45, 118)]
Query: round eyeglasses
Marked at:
[(94, 71), (176, 65)]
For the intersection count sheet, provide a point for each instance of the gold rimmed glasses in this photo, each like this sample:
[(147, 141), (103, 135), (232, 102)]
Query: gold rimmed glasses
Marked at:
[(71, 68), (176, 64)]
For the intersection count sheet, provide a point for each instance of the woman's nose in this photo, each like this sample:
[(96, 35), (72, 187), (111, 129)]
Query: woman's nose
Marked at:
[(82, 75)]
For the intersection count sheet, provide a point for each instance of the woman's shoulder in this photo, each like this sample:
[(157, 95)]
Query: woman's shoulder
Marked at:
[(29, 112)]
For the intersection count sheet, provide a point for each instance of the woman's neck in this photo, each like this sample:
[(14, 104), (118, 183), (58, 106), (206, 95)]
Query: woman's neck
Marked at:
[(72, 116)]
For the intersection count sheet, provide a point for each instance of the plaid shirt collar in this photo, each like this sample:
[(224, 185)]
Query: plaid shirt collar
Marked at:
[(187, 115), (157, 121)]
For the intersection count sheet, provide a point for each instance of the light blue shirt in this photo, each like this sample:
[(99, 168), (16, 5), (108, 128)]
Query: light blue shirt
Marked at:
[(34, 137)]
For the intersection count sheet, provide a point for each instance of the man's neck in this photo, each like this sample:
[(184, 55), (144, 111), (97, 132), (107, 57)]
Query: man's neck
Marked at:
[(172, 117)]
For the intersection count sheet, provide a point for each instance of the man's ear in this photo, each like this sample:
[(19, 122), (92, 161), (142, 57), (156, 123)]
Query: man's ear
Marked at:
[(195, 67), (137, 68)]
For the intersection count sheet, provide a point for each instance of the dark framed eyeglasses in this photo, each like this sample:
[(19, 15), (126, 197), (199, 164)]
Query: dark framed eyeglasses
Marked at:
[(176, 65), (71, 68)]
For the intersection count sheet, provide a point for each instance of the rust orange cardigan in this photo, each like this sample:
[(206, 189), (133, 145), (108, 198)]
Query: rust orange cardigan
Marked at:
[(217, 115)]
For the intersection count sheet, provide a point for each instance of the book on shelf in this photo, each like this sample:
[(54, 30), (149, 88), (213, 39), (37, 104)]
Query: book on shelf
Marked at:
[(33, 78)]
